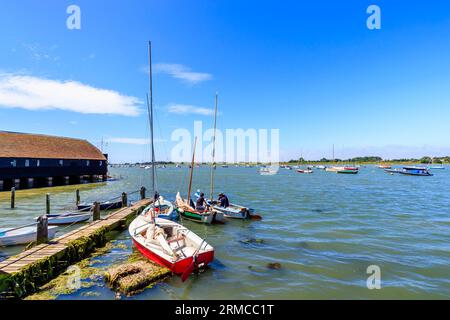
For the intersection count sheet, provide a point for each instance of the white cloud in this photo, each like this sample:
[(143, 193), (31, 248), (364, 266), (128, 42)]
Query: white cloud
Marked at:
[(33, 93), (137, 141), (188, 109), (181, 72)]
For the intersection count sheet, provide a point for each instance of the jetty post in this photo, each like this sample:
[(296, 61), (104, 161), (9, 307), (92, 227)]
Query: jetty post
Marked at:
[(47, 203), (143, 193), (13, 197), (42, 230), (124, 200), (96, 211), (77, 196)]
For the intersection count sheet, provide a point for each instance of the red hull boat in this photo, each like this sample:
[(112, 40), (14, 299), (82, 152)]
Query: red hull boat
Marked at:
[(170, 245)]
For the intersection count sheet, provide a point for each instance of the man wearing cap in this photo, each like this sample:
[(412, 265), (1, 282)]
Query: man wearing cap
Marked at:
[(223, 200)]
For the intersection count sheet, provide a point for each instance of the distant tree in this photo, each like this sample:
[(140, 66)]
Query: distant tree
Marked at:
[(425, 160)]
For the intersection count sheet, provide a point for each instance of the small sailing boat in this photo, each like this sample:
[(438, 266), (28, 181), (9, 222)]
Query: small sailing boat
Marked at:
[(186, 207), (160, 207), (21, 235), (164, 241), (171, 245), (233, 210), (268, 171), (433, 167)]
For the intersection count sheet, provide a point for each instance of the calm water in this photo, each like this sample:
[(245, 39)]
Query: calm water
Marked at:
[(324, 229)]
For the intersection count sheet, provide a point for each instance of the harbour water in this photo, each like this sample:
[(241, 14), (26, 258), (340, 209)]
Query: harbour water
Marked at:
[(324, 229)]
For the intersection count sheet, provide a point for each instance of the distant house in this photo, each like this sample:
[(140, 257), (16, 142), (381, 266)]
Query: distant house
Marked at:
[(34, 160)]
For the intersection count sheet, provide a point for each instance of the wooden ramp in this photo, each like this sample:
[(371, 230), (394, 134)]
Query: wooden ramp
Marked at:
[(22, 274)]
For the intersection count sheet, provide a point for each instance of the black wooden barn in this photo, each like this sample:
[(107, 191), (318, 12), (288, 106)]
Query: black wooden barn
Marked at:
[(34, 160)]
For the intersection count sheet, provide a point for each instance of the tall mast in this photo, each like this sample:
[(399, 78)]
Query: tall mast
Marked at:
[(213, 150), (334, 159), (192, 172), (150, 112)]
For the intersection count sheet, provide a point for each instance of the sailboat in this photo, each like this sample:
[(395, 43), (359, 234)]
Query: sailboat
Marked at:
[(186, 208), (160, 207), (163, 241), (433, 167), (233, 210)]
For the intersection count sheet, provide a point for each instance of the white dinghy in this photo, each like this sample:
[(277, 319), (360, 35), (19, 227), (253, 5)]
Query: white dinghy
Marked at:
[(25, 235), (67, 218)]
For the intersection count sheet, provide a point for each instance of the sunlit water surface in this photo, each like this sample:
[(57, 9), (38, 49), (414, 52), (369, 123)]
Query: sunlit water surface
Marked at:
[(324, 229)]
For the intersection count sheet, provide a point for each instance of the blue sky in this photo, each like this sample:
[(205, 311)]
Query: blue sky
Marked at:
[(309, 68)]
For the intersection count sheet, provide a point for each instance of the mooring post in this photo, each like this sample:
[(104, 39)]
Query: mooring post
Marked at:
[(13, 197), (143, 193), (42, 230), (124, 200), (77, 196), (47, 203), (96, 211)]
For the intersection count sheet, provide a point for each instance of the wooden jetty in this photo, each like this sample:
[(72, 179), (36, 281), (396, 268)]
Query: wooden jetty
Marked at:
[(24, 273)]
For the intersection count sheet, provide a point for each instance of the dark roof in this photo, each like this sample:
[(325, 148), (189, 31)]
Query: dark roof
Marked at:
[(25, 145)]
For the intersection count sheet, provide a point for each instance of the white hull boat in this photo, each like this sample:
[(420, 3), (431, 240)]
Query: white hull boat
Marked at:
[(67, 218), (21, 236)]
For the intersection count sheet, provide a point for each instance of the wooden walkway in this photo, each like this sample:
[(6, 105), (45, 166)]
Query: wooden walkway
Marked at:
[(62, 251)]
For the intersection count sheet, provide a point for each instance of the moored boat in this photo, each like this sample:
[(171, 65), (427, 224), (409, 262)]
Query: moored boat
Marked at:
[(25, 235), (343, 170), (348, 170), (233, 211), (436, 168), (171, 245), (411, 171), (106, 205), (188, 212), (305, 171), (67, 218), (162, 209), (267, 171)]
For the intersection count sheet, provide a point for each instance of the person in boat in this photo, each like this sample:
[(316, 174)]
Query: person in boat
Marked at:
[(223, 200), (201, 203)]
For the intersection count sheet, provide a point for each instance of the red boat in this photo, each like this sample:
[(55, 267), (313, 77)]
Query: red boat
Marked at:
[(171, 245), (305, 171)]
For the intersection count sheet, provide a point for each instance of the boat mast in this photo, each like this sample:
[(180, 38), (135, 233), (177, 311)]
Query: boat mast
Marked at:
[(192, 172), (150, 114), (213, 151), (334, 159)]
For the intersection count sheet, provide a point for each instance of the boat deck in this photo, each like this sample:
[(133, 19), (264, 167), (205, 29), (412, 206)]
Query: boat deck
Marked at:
[(46, 261)]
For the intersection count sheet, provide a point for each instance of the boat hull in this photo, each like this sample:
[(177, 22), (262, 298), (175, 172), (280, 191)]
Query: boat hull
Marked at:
[(23, 236), (68, 219), (347, 171), (232, 214), (178, 267), (103, 206), (206, 218)]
